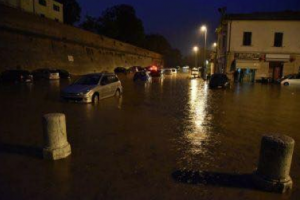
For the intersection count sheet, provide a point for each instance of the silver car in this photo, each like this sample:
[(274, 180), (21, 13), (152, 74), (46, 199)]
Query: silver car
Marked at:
[(93, 87)]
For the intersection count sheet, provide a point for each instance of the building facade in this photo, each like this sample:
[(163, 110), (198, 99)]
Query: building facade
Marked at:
[(259, 45), (45, 8)]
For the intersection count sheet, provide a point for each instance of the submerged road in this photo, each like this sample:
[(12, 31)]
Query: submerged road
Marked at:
[(172, 138)]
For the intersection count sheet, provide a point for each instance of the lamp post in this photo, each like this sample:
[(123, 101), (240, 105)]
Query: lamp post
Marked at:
[(214, 58), (204, 29), (196, 49)]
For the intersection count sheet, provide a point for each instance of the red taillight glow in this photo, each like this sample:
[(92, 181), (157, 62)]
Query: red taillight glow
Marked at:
[(153, 68)]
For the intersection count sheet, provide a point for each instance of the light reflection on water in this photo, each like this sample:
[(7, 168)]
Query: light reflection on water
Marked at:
[(197, 133)]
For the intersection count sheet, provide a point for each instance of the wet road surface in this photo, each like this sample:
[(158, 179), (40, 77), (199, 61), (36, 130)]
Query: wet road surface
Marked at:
[(172, 138)]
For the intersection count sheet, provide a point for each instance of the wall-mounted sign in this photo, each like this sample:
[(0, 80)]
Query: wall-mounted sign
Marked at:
[(278, 57), (70, 58), (248, 56)]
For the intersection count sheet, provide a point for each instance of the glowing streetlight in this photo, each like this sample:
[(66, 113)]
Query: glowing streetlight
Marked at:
[(215, 44), (196, 49), (204, 29)]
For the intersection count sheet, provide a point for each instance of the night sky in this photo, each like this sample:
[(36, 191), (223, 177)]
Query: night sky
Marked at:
[(179, 20)]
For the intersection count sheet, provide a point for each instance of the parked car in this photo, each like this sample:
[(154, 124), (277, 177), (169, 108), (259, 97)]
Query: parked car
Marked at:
[(136, 69), (292, 79), (156, 73), (16, 76), (50, 74), (195, 72), (64, 74), (92, 88), (170, 71), (219, 81), (174, 71), (142, 76), (152, 68), (120, 70)]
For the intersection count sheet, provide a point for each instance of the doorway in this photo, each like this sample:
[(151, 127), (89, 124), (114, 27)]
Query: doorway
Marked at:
[(275, 70), (246, 75)]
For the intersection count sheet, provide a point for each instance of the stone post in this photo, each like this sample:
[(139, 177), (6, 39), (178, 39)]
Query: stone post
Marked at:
[(273, 172), (55, 137)]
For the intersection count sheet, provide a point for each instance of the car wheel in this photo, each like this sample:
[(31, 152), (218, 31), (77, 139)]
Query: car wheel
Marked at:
[(95, 98), (286, 84), (118, 93)]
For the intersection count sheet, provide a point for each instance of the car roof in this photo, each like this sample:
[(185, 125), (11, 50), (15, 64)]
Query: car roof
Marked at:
[(102, 73)]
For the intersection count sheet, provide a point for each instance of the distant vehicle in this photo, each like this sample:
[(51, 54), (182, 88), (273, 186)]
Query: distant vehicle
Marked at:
[(218, 81), (50, 74), (120, 70), (142, 76), (157, 73), (152, 68), (174, 71), (64, 74), (93, 87), (195, 72), (185, 69), (136, 69), (170, 71), (292, 79), (16, 76)]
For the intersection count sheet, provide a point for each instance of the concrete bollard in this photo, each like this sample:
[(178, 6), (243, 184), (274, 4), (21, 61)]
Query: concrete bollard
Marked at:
[(55, 137), (273, 172)]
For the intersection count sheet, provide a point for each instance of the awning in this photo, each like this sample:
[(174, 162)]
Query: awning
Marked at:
[(247, 64), (278, 57)]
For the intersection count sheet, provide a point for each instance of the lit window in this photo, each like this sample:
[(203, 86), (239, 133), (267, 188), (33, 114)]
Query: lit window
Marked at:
[(247, 40), (278, 38), (43, 2), (56, 8)]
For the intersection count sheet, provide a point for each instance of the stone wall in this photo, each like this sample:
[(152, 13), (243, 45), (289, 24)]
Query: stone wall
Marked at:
[(28, 41)]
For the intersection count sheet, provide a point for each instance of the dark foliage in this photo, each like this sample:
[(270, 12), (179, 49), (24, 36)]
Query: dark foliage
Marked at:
[(72, 11)]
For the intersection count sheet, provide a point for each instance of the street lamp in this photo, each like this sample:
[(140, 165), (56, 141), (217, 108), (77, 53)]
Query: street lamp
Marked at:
[(204, 29), (196, 49)]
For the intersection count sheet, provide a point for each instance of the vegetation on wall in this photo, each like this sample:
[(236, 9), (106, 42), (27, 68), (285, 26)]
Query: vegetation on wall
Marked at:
[(121, 23)]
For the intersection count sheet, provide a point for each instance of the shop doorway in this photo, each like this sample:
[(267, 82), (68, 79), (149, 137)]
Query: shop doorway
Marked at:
[(275, 70), (245, 75)]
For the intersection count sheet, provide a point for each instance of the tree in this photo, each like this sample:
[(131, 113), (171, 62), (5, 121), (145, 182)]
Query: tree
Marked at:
[(72, 11), (120, 22), (157, 43), (90, 24), (160, 44)]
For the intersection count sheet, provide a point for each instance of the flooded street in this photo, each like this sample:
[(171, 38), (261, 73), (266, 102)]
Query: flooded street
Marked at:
[(172, 138)]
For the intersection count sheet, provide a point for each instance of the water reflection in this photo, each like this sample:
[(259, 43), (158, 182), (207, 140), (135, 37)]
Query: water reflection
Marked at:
[(196, 134)]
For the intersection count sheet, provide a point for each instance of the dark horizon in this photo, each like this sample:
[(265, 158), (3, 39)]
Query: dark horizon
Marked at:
[(179, 21)]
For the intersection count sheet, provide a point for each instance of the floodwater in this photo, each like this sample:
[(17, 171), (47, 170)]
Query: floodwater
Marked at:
[(172, 138)]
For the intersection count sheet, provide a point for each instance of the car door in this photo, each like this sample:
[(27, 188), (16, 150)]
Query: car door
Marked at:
[(104, 87), (114, 84), (292, 80)]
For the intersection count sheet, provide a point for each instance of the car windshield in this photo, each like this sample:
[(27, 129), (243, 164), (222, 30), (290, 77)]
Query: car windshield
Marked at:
[(88, 80)]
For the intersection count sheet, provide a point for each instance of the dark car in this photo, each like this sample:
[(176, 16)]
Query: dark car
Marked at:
[(142, 75), (156, 73), (50, 74), (120, 70), (16, 76), (64, 74), (218, 81)]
